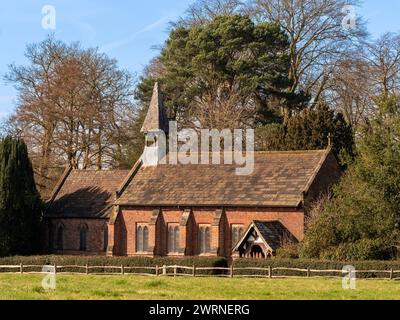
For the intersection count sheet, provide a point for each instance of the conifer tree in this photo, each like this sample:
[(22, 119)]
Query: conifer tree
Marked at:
[(362, 219), (310, 129), (20, 204)]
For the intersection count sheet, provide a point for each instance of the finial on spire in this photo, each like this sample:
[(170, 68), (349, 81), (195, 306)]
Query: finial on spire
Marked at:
[(329, 140), (156, 118)]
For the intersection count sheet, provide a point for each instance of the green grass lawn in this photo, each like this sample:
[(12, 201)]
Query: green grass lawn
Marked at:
[(181, 288)]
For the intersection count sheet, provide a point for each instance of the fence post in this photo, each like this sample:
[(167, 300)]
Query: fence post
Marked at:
[(308, 272), (175, 270), (269, 272), (157, 270), (194, 271), (391, 273), (122, 269), (21, 268), (87, 269), (55, 269), (164, 269), (231, 271)]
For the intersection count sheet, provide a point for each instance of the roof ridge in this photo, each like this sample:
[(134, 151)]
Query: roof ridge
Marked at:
[(59, 184), (99, 170), (129, 177), (292, 151), (258, 152)]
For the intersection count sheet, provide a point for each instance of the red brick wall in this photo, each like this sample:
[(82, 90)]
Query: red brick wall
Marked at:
[(292, 219), (122, 233), (328, 175), (221, 243), (202, 216), (125, 230), (171, 216), (71, 242)]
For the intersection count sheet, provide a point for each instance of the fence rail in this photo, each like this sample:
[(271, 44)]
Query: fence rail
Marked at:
[(194, 271)]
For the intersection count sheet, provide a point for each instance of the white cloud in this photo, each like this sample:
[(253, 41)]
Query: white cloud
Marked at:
[(122, 42)]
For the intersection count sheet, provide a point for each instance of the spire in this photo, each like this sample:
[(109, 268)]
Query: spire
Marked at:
[(156, 118)]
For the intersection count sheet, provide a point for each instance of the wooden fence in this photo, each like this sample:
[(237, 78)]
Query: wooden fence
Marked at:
[(194, 271)]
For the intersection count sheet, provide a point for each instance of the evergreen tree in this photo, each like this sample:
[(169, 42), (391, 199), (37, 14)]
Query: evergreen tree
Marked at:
[(310, 129), (230, 59), (20, 204), (362, 220), (313, 128)]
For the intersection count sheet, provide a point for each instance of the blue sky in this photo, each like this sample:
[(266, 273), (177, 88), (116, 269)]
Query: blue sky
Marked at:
[(127, 30)]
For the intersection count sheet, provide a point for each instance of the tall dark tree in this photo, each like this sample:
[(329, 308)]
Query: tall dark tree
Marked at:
[(310, 129), (226, 73), (315, 128), (20, 204), (362, 220)]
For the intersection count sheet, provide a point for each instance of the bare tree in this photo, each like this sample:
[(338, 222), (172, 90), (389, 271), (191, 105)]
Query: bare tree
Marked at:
[(383, 55), (317, 36), (363, 77), (222, 107), (349, 90), (34, 119), (72, 105), (203, 11)]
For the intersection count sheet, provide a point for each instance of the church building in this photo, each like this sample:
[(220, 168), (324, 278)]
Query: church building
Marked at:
[(164, 209)]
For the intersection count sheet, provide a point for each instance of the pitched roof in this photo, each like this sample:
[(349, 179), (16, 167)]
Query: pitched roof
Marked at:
[(156, 117), (85, 193), (272, 233), (278, 180)]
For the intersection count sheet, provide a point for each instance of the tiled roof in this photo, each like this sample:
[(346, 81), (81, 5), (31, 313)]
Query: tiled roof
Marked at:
[(85, 194), (278, 180), (156, 117), (274, 233)]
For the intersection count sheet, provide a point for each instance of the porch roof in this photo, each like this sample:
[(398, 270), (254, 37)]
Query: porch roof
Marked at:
[(272, 233)]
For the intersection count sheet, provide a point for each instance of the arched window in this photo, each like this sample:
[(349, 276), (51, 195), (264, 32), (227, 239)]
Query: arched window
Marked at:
[(237, 233), (208, 240), (51, 236), (139, 239), (176, 237), (105, 237), (145, 239), (60, 237), (201, 240), (142, 238), (83, 237), (204, 239), (173, 239)]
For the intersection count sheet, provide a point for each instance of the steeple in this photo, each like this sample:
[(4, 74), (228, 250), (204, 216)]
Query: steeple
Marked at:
[(156, 118), (155, 129)]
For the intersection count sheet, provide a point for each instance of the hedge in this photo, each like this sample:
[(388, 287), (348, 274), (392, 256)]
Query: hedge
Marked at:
[(202, 262), (317, 265), (115, 261)]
